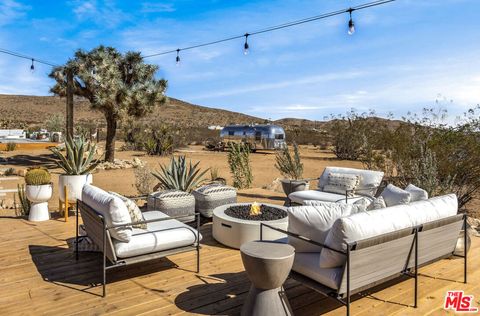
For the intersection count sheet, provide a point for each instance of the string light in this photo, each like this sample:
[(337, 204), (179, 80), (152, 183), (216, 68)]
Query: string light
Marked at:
[(351, 25), (351, 30), (32, 67), (177, 60), (282, 26), (245, 46)]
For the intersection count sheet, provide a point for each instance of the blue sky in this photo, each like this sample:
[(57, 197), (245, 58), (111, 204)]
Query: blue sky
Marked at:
[(403, 56)]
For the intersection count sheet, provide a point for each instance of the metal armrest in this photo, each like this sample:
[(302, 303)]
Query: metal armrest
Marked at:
[(152, 220), (313, 242)]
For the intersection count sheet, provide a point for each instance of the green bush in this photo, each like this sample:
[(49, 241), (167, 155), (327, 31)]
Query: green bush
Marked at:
[(239, 162), (11, 146), (289, 165)]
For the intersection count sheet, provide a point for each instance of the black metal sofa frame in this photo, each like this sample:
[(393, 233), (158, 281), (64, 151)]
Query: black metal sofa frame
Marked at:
[(373, 261), (98, 231)]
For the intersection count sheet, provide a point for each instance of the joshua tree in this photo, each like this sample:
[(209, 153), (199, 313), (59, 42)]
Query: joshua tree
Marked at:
[(116, 84)]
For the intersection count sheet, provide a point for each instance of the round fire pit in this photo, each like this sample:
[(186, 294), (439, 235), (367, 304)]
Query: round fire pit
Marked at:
[(233, 224)]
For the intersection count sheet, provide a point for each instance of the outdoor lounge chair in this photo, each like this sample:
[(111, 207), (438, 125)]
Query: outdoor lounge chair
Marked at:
[(368, 262), (163, 236), (369, 182)]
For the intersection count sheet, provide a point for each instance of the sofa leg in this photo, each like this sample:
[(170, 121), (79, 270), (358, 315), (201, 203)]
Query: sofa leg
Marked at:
[(416, 270)]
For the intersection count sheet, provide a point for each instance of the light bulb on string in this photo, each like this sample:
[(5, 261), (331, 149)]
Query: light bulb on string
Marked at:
[(351, 25), (177, 60), (245, 46), (32, 67)]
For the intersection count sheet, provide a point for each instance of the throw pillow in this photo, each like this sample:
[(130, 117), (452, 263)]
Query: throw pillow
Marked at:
[(417, 194), (341, 182), (376, 204), (133, 210), (393, 195), (362, 205)]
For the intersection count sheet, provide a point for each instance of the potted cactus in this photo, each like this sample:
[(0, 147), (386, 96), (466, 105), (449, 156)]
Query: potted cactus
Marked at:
[(38, 191), (77, 163)]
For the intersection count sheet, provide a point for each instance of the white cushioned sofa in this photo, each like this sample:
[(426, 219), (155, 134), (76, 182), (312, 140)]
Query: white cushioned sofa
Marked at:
[(368, 182), (341, 250), (109, 225)]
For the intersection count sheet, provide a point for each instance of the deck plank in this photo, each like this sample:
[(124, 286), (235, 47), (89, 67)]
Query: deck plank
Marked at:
[(39, 275)]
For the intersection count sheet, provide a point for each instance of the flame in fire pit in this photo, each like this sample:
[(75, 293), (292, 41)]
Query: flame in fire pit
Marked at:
[(255, 209)]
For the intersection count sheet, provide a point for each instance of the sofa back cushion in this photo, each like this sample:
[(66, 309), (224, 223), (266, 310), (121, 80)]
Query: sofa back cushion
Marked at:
[(393, 195), (314, 222), (377, 222), (366, 178), (342, 183), (112, 208)]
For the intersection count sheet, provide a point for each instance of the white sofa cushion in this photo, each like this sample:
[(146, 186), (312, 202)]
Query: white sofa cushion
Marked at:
[(377, 203), (112, 208), (307, 265), (416, 193), (314, 222), (368, 178), (377, 222), (158, 236), (393, 195), (300, 197), (341, 183)]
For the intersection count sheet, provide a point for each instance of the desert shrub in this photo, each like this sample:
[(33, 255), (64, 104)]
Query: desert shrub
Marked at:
[(55, 123), (239, 162), (85, 129), (179, 175), (11, 146), (24, 202), (144, 180), (289, 165), (215, 176), (431, 154), (10, 172)]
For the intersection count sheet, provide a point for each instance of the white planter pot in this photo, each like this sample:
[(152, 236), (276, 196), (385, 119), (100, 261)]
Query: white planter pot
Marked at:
[(39, 195), (74, 184)]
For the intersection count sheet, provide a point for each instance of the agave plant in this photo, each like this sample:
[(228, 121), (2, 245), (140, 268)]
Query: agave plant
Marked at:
[(79, 157), (180, 176)]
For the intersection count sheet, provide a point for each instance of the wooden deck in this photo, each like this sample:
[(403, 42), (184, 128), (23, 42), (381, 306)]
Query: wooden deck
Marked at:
[(39, 275)]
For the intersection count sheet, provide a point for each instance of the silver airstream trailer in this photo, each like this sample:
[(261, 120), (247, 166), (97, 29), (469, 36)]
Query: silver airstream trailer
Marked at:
[(266, 137)]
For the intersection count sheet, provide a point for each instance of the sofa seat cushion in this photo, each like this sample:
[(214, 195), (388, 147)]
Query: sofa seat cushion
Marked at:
[(364, 225), (112, 208), (307, 265), (314, 222), (300, 197), (158, 236)]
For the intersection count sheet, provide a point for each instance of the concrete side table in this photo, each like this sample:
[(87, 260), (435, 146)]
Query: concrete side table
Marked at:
[(267, 265)]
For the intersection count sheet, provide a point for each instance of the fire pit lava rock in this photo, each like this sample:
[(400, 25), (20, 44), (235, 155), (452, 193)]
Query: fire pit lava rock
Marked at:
[(233, 224)]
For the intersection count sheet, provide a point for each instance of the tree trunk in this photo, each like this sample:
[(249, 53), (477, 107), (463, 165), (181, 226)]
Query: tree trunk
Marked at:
[(69, 118), (111, 132)]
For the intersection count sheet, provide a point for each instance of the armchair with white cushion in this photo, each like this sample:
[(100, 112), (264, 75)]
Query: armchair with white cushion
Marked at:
[(367, 184)]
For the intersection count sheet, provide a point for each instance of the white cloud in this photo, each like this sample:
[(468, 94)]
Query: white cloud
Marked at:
[(11, 10), (152, 7)]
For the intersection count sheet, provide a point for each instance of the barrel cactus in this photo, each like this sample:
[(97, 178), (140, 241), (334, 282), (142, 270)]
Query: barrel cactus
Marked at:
[(37, 176)]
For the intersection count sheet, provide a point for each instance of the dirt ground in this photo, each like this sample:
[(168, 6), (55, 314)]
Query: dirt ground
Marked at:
[(123, 181)]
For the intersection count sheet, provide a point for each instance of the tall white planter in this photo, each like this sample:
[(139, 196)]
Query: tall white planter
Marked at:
[(39, 195), (74, 185)]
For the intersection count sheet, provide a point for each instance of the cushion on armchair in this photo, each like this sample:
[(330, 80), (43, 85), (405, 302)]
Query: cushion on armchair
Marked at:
[(112, 208), (377, 222), (133, 210), (393, 195), (342, 183)]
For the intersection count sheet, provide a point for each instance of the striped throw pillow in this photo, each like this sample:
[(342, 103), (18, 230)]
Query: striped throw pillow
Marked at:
[(341, 182)]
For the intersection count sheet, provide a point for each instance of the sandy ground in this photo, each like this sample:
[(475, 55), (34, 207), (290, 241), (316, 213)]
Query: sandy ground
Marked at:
[(123, 181)]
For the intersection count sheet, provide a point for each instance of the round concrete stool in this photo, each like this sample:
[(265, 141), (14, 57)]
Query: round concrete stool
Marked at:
[(267, 265)]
